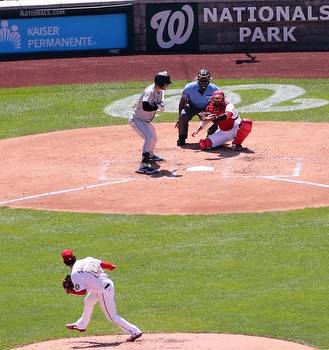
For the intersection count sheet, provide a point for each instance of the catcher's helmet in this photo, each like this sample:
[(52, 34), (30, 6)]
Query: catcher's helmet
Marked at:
[(218, 96), (203, 78), (162, 78)]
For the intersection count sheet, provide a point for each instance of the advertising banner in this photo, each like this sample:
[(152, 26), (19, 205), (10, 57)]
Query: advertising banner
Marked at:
[(172, 27), (70, 33), (256, 26)]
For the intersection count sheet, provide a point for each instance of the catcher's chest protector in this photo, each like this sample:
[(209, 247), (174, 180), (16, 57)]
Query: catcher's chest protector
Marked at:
[(215, 109)]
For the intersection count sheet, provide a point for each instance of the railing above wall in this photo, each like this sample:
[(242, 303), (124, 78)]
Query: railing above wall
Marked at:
[(58, 3)]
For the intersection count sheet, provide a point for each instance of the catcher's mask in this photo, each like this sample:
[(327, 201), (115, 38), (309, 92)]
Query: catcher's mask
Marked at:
[(218, 97), (203, 78), (68, 257), (162, 79)]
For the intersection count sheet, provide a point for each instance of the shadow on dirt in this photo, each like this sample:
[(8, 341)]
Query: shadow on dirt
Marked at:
[(95, 345), (224, 151), (193, 146), (166, 173), (251, 59)]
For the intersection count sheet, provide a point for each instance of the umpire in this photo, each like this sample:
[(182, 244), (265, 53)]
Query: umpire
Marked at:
[(195, 98)]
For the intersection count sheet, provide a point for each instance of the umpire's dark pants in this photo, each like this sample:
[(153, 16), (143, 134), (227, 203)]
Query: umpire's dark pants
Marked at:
[(185, 116)]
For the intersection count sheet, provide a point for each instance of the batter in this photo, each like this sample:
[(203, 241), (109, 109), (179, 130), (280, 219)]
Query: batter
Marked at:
[(151, 100)]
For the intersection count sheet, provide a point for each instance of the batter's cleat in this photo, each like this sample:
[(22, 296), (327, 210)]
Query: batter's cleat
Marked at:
[(181, 142), (238, 148), (148, 170), (155, 158), (132, 338), (73, 327)]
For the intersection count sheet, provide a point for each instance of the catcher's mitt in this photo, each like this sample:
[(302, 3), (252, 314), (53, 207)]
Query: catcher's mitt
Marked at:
[(68, 284), (206, 116)]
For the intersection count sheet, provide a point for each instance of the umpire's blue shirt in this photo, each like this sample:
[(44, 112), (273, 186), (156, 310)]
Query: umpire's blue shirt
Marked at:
[(191, 93)]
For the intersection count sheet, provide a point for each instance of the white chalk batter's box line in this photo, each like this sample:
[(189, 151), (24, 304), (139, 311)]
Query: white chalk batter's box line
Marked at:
[(75, 189), (87, 187), (114, 181)]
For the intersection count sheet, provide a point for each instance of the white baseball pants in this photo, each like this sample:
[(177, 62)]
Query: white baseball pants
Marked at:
[(220, 136), (106, 300)]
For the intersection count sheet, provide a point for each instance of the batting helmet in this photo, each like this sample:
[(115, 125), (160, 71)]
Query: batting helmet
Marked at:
[(203, 78), (162, 78)]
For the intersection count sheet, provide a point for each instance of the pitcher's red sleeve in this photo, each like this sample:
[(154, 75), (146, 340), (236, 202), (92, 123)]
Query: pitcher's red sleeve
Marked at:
[(107, 265), (81, 292)]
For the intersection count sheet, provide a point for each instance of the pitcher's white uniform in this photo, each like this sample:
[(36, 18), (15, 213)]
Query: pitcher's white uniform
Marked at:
[(87, 274)]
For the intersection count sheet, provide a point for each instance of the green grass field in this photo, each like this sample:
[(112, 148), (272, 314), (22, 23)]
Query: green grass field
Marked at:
[(26, 111), (263, 274)]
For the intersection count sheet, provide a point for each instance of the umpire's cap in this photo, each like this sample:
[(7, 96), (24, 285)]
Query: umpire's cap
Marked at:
[(162, 78)]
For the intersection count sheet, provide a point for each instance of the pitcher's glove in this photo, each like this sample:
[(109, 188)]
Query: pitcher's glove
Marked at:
[(68, 284)]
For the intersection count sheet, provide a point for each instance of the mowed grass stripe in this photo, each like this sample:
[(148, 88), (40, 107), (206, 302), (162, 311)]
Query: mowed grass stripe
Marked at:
[(263, 274)]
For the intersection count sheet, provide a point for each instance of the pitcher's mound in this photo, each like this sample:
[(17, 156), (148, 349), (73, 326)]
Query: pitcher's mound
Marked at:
[(176, 341)]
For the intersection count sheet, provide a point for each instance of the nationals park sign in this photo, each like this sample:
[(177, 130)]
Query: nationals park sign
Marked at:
[(238, 26)]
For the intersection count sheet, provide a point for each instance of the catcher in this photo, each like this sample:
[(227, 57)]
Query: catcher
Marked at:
[(226, 119), (88, 277)]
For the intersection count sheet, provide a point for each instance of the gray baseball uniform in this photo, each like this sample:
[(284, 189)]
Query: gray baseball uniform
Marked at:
[(141, 120)]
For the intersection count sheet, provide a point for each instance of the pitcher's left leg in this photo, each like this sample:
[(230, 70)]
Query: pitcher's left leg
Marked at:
[(107, 303)]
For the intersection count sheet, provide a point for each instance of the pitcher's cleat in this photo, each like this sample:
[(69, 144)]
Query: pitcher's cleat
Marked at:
[(73, 327), (132, 338)]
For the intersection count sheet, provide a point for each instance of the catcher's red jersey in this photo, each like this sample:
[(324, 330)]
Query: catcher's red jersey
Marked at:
[(224, 125)]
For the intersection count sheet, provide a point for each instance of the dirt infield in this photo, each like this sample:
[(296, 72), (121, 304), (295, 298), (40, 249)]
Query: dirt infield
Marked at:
[(181, 67), (176, 341), (93, 170)]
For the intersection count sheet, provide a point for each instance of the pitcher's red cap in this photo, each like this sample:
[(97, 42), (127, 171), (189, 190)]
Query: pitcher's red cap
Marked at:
[(67, 254)]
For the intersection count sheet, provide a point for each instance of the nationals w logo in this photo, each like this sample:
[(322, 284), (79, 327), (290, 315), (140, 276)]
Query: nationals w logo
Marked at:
[(171, 27)]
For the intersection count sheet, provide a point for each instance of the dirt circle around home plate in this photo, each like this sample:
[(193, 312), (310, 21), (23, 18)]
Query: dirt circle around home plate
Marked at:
[(93, 170), (175, 341)]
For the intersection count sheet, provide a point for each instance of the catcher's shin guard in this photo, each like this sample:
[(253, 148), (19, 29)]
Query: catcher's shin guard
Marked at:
[(243, 131), (205, 143)]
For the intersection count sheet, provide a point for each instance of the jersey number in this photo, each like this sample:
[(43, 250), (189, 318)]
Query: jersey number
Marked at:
[(94, 268)]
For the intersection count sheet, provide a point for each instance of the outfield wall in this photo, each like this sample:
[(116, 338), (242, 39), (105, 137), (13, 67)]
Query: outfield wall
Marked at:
[(89, 27)]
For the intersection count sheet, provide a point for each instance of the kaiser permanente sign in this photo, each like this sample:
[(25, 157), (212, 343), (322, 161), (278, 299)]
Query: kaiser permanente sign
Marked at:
[(235, 26), (62, 30)]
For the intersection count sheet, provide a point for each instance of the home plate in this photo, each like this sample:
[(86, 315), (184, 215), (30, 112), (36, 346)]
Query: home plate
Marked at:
[(200, 168)]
